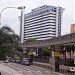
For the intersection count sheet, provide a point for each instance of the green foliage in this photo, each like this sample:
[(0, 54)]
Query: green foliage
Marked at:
[(7, 30), (31, 40), (46, 51), (8, 42), (68, 48), (19, 49), (71, 64)]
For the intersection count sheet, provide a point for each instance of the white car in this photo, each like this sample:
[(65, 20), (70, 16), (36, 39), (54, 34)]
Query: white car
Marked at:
[(25, 62), (6, 61)]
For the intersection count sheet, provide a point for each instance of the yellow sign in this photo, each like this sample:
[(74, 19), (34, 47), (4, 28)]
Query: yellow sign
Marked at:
[(56, 53), (30, 53)]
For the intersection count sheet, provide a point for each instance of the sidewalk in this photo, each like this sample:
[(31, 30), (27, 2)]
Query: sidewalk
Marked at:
[(44, 65), (63, 69)]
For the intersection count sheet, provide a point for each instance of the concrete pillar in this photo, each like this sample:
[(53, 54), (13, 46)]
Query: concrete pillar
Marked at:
[(54, 59)]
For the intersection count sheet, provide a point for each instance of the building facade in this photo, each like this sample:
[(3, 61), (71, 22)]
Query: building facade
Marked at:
[(43, 23), (72, 28)]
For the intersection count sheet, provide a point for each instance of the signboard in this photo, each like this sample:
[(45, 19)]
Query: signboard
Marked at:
[(57, 53), (30, 53)]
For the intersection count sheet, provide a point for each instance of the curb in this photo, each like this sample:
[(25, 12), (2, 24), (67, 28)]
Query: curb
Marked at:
[(51, 67)]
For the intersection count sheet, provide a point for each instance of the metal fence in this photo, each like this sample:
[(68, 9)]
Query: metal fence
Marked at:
[(44, 59)]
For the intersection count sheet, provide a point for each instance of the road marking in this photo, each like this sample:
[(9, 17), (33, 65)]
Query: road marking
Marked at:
[(20, 71), (30, 71), (39, 71)]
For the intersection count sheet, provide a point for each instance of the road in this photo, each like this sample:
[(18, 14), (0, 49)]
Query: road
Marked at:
[(18, 69)]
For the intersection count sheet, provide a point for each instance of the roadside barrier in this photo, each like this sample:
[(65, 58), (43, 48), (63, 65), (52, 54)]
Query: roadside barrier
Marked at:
[(67, 72), (50, 67), (64, 71)]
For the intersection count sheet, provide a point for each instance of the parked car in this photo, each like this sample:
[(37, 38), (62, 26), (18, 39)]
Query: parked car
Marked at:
[(25, 62), (6, 61)]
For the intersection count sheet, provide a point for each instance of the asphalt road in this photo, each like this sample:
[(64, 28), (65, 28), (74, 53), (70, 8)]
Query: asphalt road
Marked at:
[(18, 69)]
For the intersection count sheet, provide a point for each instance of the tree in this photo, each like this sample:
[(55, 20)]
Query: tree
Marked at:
[(7, 30), (46, 51), (31, 40), (8, 42), (19, 49)]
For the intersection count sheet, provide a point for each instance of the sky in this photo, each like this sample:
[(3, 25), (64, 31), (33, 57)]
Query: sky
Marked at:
[(10, 16)]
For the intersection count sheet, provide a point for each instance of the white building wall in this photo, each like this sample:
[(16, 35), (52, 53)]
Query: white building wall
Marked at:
[(42, 23), (57, 22)]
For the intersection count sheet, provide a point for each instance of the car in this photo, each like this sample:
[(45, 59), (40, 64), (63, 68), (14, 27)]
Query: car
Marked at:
[(25, 62), (6, 61)]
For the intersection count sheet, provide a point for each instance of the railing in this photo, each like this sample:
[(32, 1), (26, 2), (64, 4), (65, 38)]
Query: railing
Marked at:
[(43, 59)]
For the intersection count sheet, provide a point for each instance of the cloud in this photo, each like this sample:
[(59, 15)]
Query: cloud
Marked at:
[(16, 28)]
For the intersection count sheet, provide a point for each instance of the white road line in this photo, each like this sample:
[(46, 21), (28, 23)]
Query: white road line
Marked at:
[(30, 73), (20, 71)]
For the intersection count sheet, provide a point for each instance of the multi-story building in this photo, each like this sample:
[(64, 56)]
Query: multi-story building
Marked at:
[(43, 23), (72, 28)]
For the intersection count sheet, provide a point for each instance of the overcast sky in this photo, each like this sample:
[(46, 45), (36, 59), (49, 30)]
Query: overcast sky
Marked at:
[(10, 16)]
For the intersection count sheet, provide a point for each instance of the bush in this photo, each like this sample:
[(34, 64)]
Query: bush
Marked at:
[(31, 40), (71, 64)]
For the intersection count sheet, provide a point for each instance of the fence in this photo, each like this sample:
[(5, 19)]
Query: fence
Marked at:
[(44, 59)]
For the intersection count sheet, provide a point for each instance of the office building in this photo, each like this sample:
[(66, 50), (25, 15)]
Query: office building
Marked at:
[(43, 23), (72, 28)]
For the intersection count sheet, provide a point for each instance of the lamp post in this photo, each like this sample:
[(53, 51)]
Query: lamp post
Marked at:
[(21, 8)]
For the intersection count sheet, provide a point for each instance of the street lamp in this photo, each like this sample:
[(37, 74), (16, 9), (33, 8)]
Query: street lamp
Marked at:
[(21, 8)]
